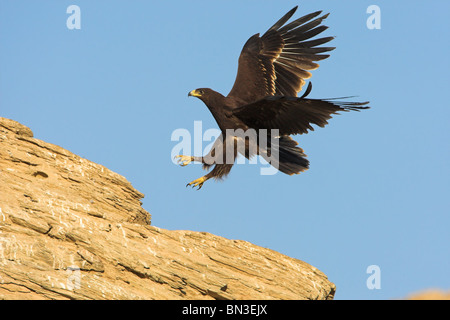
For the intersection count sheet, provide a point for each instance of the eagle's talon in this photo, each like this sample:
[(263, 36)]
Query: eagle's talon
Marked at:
[(184, 160), (197, 183)]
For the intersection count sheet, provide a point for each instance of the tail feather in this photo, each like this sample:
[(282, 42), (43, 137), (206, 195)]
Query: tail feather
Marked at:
[(291, 159)]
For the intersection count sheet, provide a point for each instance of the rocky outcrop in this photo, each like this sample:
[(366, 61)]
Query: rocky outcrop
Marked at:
[(72, 229)]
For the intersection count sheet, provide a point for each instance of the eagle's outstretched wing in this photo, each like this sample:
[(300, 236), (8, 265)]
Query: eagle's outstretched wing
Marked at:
[(277, 62), (291, 115)]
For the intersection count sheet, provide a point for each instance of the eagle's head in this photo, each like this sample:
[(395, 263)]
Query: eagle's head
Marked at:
[(208, 96)]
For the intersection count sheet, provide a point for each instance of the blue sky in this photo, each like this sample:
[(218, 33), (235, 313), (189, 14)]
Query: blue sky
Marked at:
[(377, 192)]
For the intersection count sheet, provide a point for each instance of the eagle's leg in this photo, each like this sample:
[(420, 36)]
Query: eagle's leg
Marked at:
[(217, 157), (185, 160), (198, 182), (219, 171)]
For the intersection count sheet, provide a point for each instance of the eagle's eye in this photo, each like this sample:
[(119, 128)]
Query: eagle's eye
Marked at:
[(201, 91)]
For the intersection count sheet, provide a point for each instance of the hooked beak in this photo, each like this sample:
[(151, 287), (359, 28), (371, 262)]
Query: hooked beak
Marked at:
[(194, 93)]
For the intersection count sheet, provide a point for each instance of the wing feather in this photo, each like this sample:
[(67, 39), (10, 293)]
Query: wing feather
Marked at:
[(292, 115), (276, 63), (294, 24), (283, 20)]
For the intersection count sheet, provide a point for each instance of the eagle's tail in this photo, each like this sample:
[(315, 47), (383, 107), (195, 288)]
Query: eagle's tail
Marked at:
[(287, 157), (291, 158)]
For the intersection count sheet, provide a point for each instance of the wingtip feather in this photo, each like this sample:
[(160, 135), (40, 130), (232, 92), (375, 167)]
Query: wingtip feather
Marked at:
[(283, 20)]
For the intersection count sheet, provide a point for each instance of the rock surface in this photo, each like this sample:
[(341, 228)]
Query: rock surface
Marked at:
[(430, 294), (72, 229)]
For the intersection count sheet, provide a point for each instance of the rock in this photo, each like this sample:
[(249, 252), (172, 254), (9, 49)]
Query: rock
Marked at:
[(72, 229), (16, 127), (430, 294)]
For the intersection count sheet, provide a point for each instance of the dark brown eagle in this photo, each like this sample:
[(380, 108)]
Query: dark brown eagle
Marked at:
[(272, 70)]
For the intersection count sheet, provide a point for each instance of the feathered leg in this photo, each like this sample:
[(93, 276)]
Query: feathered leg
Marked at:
[(223, 161)]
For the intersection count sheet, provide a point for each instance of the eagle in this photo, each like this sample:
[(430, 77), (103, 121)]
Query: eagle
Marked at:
[(272, 70)]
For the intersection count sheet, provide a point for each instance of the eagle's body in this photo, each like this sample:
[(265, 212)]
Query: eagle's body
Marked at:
[(272, 70)]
